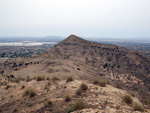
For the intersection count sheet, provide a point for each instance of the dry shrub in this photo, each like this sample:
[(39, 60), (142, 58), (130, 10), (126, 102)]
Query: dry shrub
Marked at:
[(69, 79), (127, 99), (40, 78), (67, 98), (28, 79), (47, 78), (17, 80), (55, 78), (83, 87), (137, 106), (29, 92), (102, 83), (99, 82), (78, 105), (96, 81), (78, 92), (23, 86), (49, 102), (7, 86)]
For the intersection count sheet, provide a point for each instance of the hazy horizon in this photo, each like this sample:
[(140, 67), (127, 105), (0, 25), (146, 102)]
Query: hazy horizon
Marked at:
[(85, 18)]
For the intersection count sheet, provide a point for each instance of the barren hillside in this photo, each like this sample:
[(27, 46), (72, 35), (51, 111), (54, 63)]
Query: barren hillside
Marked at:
[(84, 61)]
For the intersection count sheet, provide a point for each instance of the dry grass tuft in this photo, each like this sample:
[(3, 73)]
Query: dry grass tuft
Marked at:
[(96, 81), (137, 106), (99, 82), (67, 98), (28, 79), (7, 86), (69, 79), (49, 103), (23, 86), (127, 99), (78, 105), (55, 78), (79, 92), (83, 87), (29, 92), (40, 78)]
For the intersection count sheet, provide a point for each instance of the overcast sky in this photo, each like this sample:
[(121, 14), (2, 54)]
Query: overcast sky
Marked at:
[(87, 18)]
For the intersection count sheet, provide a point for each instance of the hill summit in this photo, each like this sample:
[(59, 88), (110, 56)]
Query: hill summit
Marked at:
[(74, 40)]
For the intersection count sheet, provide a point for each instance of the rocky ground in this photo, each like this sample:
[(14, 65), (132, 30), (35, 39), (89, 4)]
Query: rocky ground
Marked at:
[(50, 97)]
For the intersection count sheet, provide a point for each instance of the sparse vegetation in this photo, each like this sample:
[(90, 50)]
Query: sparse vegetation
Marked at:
[(83, 87), (29, 105), (40, 78), (67, 98), (5, 83), (23, 86), (109, 60), (102, 83), (47, 78), (14, 110), (29, 92), (49, 103), (148, 102), (50, 109), (137, 106), (132, 94), (49, 83), (69, 79), (11, 96), (55, 78), (128, 99), (17, 80), (99, 82), (78, 105), (96, 81), (7, 86), (106, 102), (28, 79), (79, 92), (57, 112), (105, 65), (117, 107)]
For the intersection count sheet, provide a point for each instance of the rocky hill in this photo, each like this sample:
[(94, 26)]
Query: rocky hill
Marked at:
[(84, 61)]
